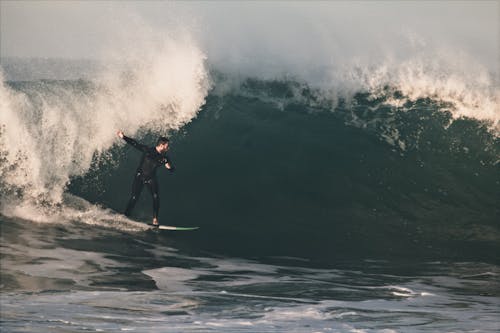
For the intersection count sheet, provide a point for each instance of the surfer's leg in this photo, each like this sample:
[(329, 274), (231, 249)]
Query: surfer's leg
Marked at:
[(136, 191), (153, 188)]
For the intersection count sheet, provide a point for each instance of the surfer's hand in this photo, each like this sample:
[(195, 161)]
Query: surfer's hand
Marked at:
[(120, 134)]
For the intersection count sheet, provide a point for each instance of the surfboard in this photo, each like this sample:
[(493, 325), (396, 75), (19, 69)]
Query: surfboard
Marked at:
[(169, 227)]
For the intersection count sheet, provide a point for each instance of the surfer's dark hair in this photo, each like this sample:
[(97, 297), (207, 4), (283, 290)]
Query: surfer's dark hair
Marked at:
[(162, 140)]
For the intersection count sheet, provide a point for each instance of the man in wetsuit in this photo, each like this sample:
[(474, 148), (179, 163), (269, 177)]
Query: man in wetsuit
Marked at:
[(152, 158)]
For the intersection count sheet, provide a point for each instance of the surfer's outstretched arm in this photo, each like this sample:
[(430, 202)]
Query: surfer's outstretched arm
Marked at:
[(132, 142)]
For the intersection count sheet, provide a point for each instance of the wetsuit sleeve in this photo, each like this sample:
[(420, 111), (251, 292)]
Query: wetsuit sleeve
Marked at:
[(166, 160), (135, 144)]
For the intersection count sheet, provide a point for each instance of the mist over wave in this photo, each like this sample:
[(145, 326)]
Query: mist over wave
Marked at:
[(343, 49)]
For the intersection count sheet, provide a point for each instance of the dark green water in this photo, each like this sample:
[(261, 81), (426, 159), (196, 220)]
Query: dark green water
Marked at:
[(304, 181)]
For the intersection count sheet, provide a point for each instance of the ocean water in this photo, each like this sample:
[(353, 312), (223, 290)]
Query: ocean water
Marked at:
[(72, 278), (350, 208)]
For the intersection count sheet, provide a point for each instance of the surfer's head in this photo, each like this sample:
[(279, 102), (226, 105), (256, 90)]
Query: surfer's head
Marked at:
[(162, 144)]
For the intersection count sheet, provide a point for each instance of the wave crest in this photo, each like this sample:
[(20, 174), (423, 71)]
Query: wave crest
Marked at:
[(52, 130)]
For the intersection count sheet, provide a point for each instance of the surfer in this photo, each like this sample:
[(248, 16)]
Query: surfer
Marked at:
[(152, 158)]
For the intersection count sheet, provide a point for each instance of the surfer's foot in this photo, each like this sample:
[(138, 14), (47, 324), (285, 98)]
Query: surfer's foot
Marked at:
[(155, 222)]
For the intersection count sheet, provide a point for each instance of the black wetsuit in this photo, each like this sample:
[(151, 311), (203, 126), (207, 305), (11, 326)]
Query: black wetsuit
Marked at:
[(146, 175)]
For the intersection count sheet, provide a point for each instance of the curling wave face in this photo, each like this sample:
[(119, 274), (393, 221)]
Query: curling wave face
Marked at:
[(406, 153)]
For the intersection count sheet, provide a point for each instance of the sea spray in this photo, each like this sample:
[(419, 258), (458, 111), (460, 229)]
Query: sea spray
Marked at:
[(52, 130)]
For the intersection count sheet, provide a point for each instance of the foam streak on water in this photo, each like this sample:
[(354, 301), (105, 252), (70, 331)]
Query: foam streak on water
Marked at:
[(153, 288)]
